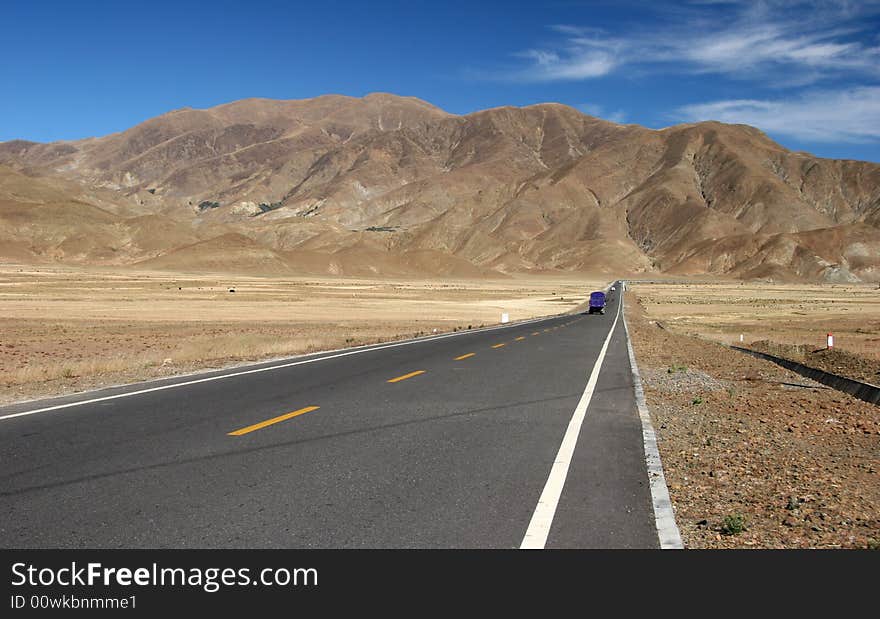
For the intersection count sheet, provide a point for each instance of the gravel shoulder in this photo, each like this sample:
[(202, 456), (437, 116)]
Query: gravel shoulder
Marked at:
[(744, 441)]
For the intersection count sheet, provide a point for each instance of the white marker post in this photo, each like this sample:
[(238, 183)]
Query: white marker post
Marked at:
[(830, 340), (505, 317), (740, 338)]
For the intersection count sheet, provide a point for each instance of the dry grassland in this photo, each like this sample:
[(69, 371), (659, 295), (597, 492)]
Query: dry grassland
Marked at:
[(66, 330), (780, 313)]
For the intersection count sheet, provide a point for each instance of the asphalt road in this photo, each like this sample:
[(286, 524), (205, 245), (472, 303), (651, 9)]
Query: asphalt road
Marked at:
[(439, 442)]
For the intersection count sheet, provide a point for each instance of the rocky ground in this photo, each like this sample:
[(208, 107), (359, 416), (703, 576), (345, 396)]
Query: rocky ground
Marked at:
[(757, 456)]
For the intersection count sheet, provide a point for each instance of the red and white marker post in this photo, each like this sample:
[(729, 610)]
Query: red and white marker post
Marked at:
[(830, 340)]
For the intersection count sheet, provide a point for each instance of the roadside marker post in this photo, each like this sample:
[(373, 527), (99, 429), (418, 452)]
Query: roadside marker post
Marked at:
[(505, 317), (830, 340)]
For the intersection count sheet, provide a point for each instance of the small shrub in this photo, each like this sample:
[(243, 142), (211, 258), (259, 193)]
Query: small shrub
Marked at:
[(381, 229), (67, 373), (733, 524), (672, 369), (696, 401), (873, 544)]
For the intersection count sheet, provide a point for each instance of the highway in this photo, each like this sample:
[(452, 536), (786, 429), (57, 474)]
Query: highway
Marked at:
[(496, 438)]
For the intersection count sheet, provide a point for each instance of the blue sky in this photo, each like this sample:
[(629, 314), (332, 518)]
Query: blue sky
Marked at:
[(807, 73)]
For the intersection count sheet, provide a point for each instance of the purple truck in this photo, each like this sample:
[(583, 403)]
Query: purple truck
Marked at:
[(597, 302)]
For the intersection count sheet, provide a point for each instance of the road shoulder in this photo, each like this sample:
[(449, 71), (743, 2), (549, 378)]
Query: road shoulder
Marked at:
[(757, 456)]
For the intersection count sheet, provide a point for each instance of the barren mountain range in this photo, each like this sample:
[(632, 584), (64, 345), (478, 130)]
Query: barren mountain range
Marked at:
[(392, 185)]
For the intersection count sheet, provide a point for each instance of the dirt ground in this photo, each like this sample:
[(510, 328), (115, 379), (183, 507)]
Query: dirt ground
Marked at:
[(755, 456), (67, 330)]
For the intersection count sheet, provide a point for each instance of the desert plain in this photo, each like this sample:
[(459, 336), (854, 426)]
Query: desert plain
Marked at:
[(71, 329), (782, 313), (784, 319)]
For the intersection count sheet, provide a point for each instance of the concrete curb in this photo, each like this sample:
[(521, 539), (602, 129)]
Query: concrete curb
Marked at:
[(863, 391), (664, 515)]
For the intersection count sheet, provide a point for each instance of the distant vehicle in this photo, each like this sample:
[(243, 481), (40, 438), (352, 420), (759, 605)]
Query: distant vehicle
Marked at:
[(597, 302)]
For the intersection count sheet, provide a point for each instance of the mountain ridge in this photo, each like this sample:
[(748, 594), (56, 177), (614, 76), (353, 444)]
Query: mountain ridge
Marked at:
[(509, 189)]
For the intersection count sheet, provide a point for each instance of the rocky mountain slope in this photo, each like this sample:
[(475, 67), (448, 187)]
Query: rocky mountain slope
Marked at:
[(393, 185)]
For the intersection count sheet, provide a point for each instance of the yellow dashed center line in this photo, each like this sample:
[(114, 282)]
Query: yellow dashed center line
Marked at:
[(405, 376), (269, 422), (308, 409)]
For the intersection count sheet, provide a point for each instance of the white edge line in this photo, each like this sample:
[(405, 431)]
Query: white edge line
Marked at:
[(346, 353), (542, 518), (664, 515)]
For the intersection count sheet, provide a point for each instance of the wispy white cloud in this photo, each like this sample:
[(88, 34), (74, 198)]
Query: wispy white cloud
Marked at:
[(851, 115), (578, 59), (801, 42), (746, 48)]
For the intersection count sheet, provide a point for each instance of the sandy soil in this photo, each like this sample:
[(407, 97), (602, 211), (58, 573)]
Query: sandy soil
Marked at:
[(743, 440), (66, 330)]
